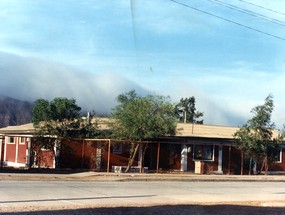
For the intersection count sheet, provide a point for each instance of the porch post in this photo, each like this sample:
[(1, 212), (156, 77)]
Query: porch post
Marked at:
[(140, 157), (16, 139), (158, 157), (28, 153), (229, 164), (82, 153), (98, 155), (242, 160), (184, 158), (220, 159), (2, 142), (109, 153)]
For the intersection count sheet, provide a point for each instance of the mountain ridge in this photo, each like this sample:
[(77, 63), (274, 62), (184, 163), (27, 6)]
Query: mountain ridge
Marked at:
[(14, 111)]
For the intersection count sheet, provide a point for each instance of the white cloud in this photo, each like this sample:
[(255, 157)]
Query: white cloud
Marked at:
[(226, 96), (30, 79)]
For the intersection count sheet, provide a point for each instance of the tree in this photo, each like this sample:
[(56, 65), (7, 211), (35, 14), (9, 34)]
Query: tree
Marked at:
[(186, 110), (60, 119), (58, 109), (138, 118), (255, 138)]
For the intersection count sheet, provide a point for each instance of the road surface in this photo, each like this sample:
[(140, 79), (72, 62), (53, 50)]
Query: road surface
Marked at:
[(57, 195)]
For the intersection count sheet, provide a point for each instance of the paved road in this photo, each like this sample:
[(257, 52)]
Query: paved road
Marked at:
[(31, 195)]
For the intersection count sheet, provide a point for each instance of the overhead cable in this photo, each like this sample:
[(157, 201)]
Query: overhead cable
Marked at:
[(265, 8), (228, 20), (248, 12)]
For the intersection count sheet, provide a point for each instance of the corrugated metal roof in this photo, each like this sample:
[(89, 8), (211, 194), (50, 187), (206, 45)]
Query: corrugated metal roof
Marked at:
[(209, 131), (20, 129), (200, 130), (183, 129)]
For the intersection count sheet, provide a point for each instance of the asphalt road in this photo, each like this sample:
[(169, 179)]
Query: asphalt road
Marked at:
[(48, 195)]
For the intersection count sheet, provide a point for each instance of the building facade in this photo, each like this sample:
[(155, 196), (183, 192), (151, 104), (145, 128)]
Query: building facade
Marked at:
[(196, 148)]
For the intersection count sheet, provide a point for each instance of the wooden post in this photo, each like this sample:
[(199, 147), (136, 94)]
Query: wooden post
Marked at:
[(250, 164), (158, 157), (242, 160), (202, 162), (141, 157), (229, 164), (83, 154), (2, 152), (109, 152)]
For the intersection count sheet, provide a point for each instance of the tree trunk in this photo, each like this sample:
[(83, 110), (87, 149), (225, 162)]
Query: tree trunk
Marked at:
[(266, 165), (132, 158)]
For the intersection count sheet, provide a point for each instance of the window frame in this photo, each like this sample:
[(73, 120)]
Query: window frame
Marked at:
[(195, 158), (22, 138), (280, 156), (9, 140)]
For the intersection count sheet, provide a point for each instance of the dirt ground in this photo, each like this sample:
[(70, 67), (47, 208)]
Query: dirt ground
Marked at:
[(221, 209)]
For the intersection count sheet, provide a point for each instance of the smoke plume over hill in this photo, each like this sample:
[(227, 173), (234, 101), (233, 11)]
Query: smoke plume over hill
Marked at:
[(30, 79)]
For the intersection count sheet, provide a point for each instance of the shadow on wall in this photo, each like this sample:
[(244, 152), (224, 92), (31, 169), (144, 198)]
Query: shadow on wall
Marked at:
[(164, 209)]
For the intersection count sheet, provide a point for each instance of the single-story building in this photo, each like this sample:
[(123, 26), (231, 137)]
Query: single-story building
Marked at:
[(196, 148)]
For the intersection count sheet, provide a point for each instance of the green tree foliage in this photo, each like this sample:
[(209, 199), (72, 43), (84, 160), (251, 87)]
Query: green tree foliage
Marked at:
[(59, 109), (255, 138), (60, 119), (186, 110), (142, 118), (138, 118)]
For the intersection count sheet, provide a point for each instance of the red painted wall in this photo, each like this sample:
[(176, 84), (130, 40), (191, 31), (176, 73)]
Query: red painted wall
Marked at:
[(22, 152), (16, 152), (10, 152), (279, 166)]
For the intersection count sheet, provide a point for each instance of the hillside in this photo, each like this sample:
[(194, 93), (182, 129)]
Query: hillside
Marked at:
[(14, 112)]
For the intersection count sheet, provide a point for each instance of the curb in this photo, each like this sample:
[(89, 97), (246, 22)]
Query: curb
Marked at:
[(125, 177)]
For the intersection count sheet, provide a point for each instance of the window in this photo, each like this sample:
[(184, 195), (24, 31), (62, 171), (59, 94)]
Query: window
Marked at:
[(11, 140), (202, 152), (278, 156), (22, 140), (118, 148)]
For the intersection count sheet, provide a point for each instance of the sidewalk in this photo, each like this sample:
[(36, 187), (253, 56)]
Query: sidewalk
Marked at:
[(99, 176)]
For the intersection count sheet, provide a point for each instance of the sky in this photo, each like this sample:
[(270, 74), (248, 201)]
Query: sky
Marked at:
[(229, 55)]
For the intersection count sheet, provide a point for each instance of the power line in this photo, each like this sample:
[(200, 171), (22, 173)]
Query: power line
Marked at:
[(265, 8), (228, 20), (248, 12)]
